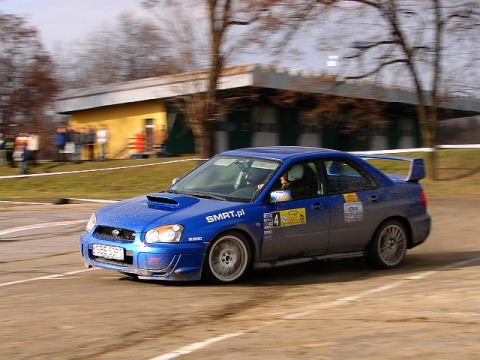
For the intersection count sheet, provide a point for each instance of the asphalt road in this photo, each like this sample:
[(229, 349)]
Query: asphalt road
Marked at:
[(51, 307)]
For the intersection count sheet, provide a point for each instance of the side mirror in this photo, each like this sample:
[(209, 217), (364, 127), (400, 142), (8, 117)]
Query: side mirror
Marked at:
[(280, 196), (174, 181)]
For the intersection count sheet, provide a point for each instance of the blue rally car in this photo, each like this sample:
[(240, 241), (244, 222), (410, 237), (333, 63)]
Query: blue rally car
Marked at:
[(262, 207)]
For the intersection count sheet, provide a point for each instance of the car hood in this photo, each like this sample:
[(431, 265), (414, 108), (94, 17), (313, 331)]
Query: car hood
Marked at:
[(147, 211)]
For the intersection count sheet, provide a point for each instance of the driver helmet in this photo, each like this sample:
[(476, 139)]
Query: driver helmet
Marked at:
[(295, 173)]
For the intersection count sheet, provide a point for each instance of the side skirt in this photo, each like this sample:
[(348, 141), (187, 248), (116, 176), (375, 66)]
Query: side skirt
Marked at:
[(333, 257)]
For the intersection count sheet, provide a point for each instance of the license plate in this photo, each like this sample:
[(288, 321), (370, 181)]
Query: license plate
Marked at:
[(108, 252)]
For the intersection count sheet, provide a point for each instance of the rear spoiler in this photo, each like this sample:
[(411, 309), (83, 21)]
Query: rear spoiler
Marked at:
[(417, 166)]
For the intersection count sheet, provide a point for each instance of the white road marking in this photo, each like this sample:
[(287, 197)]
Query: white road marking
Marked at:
[(196, 346), (40, 226), (46, 277), (96, 170), (307, 311)]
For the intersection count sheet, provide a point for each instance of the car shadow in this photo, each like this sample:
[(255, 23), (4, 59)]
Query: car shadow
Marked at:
[(318, 272)]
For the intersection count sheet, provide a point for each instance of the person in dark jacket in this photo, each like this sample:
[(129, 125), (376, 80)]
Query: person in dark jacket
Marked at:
[(2, 148), (78, 142), (9, 149), (59, 141), (23, 160), (91, 138)]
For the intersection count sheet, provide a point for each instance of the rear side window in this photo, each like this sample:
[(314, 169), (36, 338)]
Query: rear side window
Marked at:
[(343, 177)]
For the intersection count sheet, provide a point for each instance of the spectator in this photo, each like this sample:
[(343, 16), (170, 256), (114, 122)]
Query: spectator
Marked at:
[(69, 144), (9, 149), (59, 141), (32, 148), (91, 135), (2, 148), (78, 140), (23, 158), (102, 140), (20, 150)]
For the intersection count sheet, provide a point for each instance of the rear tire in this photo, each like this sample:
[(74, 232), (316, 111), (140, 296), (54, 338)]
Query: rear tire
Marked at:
[(389, 245), (228, 259)]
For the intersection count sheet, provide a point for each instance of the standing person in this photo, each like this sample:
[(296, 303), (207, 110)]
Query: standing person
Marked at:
[(33, 144), (20, 151), (9, 149), (91, 135), (69, 144), (59, 141), (2, 148), (84, 140), (23, 158), (78, 142), (102, 140)]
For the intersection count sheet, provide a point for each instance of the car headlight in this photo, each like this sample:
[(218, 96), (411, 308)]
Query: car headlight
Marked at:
[(91, 223), (164, 234)]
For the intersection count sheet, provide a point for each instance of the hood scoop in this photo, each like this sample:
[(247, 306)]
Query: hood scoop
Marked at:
[(171, 202)]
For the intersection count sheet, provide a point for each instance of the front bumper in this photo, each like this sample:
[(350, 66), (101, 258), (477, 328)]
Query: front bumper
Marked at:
[(174, 262)]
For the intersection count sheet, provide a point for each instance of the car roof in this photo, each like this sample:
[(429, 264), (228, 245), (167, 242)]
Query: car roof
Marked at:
[(280, 152)]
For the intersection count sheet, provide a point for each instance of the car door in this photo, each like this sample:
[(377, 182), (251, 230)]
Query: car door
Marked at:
[(357, 206), (300, 227)]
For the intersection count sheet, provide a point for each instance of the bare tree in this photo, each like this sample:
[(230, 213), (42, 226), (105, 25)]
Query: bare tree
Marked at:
[(131, 49), (27, 83), (207, 35), (206, 39), (407, 41)]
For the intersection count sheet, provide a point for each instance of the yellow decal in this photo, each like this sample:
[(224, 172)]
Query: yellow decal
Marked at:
[(289, 217), (350, 197)]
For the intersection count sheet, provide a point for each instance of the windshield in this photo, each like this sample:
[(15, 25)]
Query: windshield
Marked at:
[(227, 178)]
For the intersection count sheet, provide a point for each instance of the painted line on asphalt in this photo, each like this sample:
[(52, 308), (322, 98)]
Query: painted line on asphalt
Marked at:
[(196, 346), (96, 170), (308, 311), (46, 277), (23, 202), (40, 226)]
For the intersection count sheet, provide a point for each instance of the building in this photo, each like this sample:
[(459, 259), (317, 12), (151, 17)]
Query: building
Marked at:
[(144, 106)]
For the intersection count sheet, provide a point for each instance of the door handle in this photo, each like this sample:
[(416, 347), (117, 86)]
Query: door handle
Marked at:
[(316, 206)]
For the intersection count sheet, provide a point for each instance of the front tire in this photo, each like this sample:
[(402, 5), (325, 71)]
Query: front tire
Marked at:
[(228, 259), (389, 245)]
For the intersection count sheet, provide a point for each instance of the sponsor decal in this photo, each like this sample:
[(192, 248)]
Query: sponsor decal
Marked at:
[(350, 197), (353, 211), (232, 214), (289, 217)]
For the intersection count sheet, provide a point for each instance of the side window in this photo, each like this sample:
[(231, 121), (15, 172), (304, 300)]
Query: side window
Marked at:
[(342, 177), (302, 180)]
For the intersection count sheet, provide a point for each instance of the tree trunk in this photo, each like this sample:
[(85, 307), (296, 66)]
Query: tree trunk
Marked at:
[(204, 142)]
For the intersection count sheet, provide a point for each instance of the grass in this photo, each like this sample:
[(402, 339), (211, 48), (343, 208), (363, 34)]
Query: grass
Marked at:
[(458, 176)]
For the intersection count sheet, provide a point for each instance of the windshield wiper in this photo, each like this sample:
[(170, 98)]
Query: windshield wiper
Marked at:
[(206, 195), (173, 192)]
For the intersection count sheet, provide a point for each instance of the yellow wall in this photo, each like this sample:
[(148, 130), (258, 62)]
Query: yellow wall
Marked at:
[(123, 122)]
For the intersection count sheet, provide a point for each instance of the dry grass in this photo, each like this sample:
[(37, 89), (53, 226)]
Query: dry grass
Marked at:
[(458, 176)]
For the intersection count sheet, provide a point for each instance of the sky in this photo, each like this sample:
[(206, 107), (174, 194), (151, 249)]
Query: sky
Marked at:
[(61, 23), (68, 21)]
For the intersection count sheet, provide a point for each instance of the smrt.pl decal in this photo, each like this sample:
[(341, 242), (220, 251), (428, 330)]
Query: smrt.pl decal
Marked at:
[(225, 215)]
